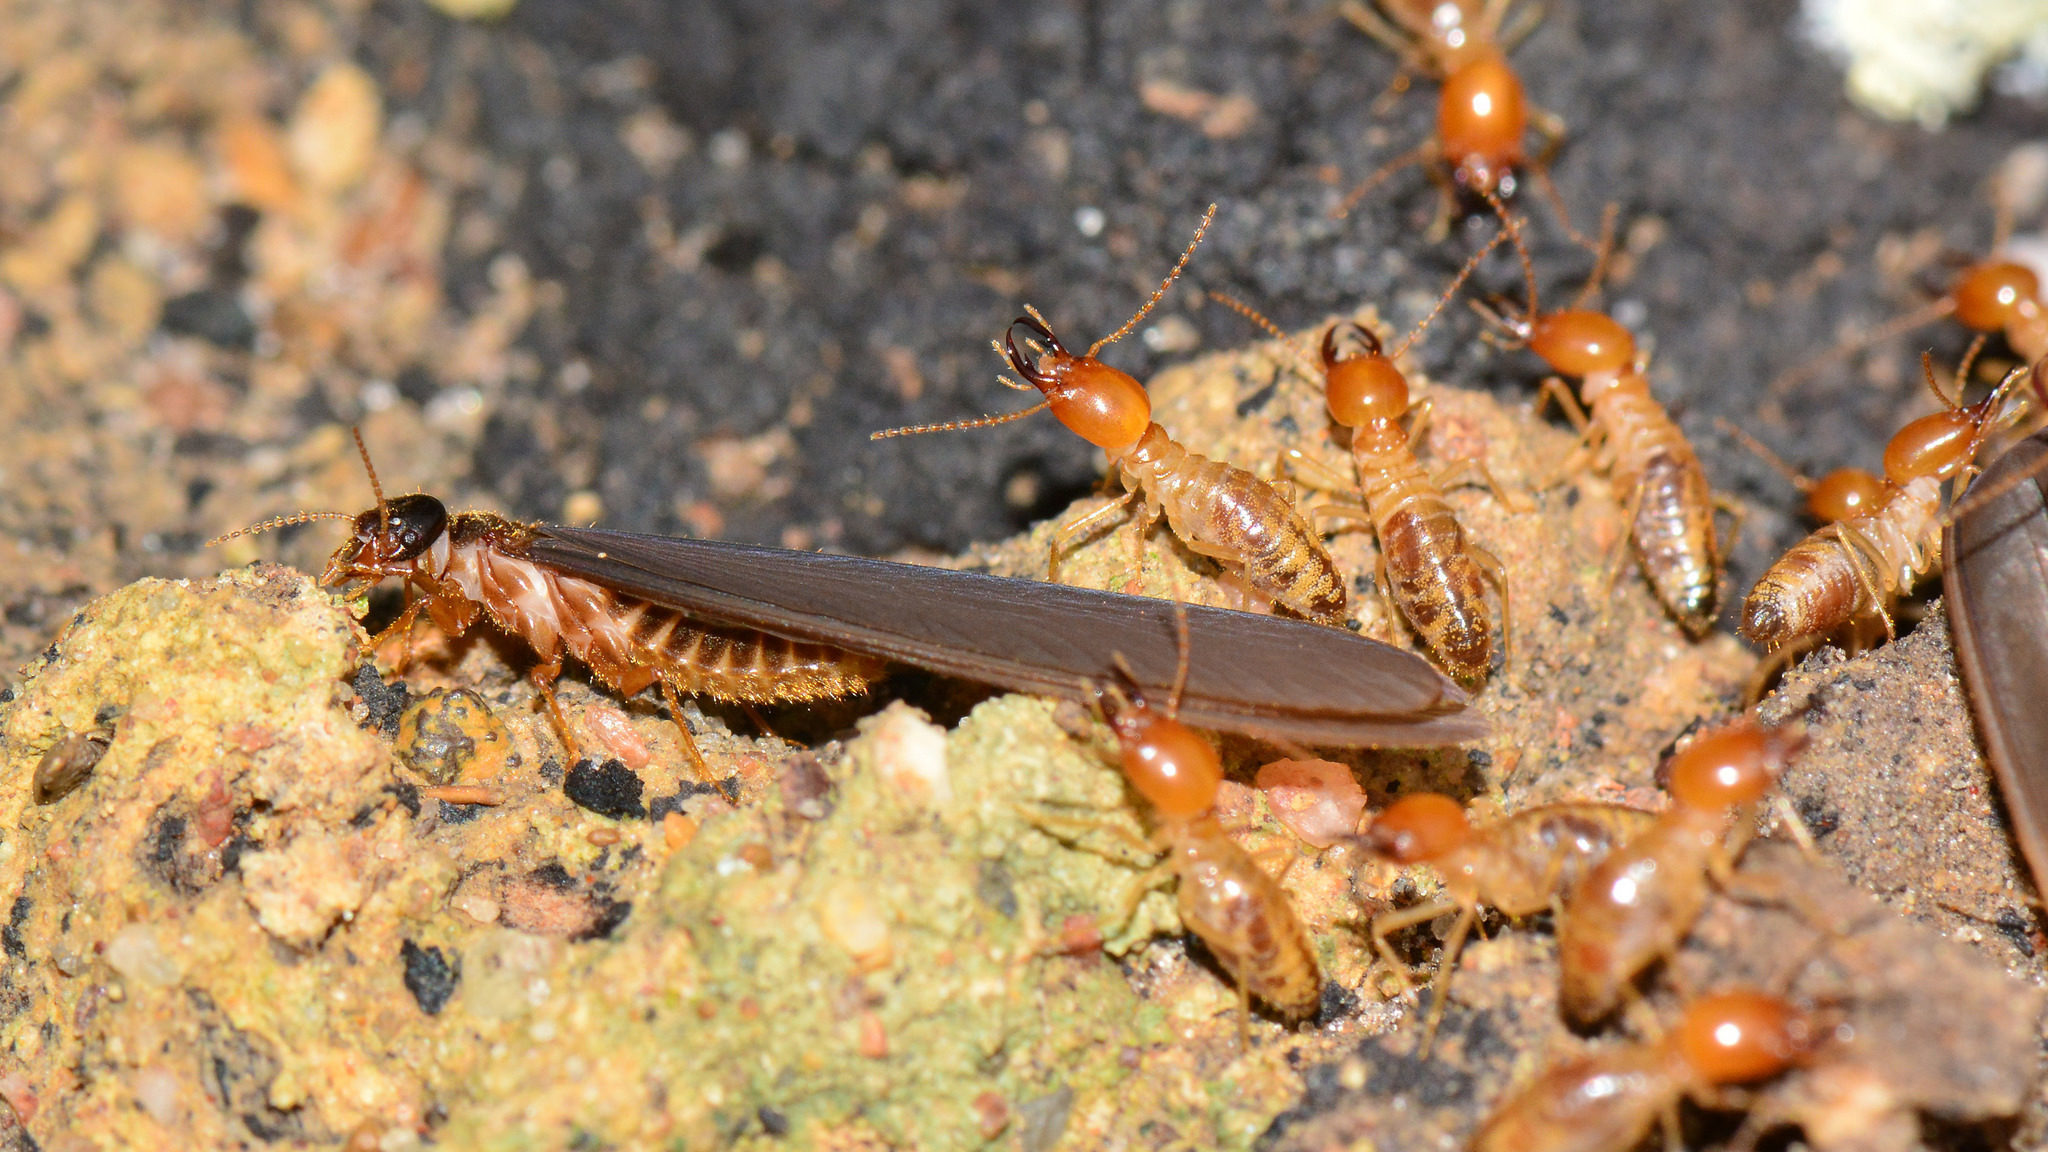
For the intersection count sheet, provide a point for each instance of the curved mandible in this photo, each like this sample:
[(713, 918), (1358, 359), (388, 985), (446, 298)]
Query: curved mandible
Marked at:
[(1373, 347), (1023, 364)]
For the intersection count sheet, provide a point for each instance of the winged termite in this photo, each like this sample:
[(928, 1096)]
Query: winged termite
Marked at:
[(765, 625), (1996, 584)]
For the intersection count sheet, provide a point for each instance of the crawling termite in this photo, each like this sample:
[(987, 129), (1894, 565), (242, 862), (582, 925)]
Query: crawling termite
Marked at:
[(1483, 114), (1609, 1100), (1855, 568), (1637, 904), (1432, 572), (1670, 505), (1519, 865), (1224, 897), (1218, 510), (471, 566)]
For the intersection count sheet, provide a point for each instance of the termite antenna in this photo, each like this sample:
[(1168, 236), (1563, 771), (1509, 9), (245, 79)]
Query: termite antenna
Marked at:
[(1810, 367), (1601, 255), (1415, 155), (1975, 499), (383, 509), (1271, 329), (1457, 282), (279, 522), (1180, 671), (1757, 448), (1158, 293), (956, 425)]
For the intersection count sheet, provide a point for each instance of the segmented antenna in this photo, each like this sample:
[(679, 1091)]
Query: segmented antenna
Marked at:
[(279, 522), (1158, 293)]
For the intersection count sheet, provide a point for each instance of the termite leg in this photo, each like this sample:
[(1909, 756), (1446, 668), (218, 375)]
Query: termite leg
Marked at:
[(1311, 472), (1619, 552), (1795, 827), (1440, 988), (1554, 388), (1737, 516), (1064, 535), (403, 625), (1471, 473), (543, 677), (1388, 923), (1497, 573), (675, 713)]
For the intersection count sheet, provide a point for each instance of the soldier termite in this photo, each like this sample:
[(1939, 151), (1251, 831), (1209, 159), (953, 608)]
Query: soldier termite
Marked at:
[(1856, 568), (1635, 906), (739, 622), (1996, 584), (1608, 1101), (1519, 865), (1224, 896), (1482, 113), (1430, 570), (1670, 505), (1217, 510)]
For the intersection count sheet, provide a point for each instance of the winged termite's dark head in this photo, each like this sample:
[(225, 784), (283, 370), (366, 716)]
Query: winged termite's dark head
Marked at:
[(387, 540)]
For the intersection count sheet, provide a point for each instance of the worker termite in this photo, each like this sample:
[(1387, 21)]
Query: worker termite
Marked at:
[(739, 622), (1635, 906), (1995, 582), (1218, 510), (1519, 865), (1609, 1100), (1670, 504), (1430, 570), (1856, 568), (1482, 112), (1224, 897)]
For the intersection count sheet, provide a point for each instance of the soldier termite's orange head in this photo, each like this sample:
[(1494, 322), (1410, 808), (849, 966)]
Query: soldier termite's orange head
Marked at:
[(386, 540), (1418, 828), (1364, 387), (1104, 406), (1734, 764)]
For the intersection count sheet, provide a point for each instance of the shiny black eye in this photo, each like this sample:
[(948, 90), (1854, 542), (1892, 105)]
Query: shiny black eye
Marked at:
[(417, 521)]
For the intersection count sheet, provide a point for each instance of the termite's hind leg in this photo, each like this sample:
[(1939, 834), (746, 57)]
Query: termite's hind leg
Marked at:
[(675, 713)]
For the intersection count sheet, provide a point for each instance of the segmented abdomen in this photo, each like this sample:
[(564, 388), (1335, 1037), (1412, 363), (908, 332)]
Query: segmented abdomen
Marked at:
[(1846, 570), (1656, 470), (1245, 919), (1536, 856), (1239, 520), (630, 643), (1431, 575)]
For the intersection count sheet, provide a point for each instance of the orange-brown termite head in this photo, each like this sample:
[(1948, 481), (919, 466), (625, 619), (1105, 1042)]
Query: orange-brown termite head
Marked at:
[(1362, 388), (1743, 1036), (1169, 763), (1482, 115), (1418, 828), (1104, 406), (1733, 764), (1843, 493), (1942, 445), (1581, 342), (387, 540), (1991, 295)]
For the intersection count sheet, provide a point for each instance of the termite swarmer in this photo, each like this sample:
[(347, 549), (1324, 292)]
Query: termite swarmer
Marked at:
[(769, 625), (1609, 1100), (1431, 571), (1218, 510), (1519, 865), (468, 566), (1636, 905), (1670, 506), (1856, 568)]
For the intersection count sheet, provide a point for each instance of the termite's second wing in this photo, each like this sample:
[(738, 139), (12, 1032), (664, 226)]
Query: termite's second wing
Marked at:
[(1996, 583), (1259, 675)]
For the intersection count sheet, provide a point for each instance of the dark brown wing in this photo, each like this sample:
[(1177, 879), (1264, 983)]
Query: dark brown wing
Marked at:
[(1259, 675), (1996, 582)]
